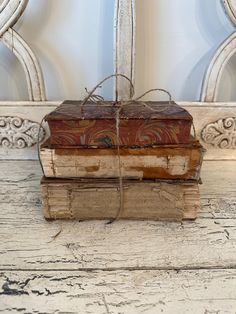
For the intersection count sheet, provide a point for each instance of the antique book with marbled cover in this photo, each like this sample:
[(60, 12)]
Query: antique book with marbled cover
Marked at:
[(140, 124)]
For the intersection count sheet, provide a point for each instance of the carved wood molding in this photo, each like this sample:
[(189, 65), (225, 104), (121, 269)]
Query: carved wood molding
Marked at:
[(124, 45), (19, 133), (215, 125), (221, 133), (19, 127), (10, 12)]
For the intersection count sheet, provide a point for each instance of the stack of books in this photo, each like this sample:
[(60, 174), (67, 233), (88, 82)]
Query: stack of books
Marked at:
[(92, 149)]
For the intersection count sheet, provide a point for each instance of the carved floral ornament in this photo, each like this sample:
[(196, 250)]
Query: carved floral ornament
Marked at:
[(19, 133), (16, 132), (221, 134)]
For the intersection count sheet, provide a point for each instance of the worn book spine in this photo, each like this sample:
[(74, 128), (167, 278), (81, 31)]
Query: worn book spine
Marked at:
[(99, 199), (162, 162)]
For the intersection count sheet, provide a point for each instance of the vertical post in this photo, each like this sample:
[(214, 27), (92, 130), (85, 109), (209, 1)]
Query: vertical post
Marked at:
[(124, 46)]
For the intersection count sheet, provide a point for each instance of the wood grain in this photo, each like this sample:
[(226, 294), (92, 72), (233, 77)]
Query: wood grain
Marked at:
[(124, 45), (120, 291), (29, 240), (126, 267)]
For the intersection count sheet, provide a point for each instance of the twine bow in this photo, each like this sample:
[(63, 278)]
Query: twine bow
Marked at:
[(119, 105)]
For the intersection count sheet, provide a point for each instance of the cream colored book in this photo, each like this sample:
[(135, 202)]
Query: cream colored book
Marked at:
[(86, 199), (160, 162)]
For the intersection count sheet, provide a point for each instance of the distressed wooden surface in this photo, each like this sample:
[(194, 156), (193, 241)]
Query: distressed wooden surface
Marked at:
[(121, 291), (125, 267), (29, 242)]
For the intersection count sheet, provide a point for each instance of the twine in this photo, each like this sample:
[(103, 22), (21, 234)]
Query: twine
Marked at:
[(119, 105)]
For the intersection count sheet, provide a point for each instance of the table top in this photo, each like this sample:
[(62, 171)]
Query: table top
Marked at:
[(125, 267)]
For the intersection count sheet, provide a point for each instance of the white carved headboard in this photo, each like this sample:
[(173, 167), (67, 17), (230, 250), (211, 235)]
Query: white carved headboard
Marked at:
[(19, 121)]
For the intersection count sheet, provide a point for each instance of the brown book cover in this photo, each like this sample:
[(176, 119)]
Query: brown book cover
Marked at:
[(95, 124), (86, 199)]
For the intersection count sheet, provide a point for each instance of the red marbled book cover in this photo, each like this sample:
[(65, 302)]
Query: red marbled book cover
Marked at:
[(94, 125)]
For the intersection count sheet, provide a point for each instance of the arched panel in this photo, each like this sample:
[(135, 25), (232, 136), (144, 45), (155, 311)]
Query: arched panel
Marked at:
[(10, 11), (214, 73), (29, 62), (230, 6)]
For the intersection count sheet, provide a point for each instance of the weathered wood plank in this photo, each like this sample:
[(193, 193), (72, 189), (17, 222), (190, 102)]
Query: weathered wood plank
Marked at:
[(219, 179), (133, 292), (221, 207), (94, 245), (29, 240)]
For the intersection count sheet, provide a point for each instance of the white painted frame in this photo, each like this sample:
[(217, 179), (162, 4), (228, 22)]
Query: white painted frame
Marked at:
[(10, 12), (19, 121), (215, 122), (229, 6), (124, 46)]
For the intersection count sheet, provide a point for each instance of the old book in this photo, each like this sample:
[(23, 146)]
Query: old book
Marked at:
[(86, 199), (160, 162), (95, 125)]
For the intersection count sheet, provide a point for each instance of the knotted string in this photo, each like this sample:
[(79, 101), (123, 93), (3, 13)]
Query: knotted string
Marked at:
[(119, 105)]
